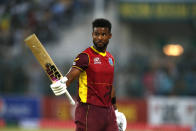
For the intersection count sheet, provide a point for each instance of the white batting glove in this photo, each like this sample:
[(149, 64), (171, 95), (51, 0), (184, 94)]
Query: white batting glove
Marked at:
[(121, 121), (59, 87)]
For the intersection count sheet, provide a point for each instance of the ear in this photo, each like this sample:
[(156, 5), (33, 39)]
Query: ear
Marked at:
[(110, 35)]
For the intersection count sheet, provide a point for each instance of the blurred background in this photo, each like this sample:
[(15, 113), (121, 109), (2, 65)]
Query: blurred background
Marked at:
[(153, 44)]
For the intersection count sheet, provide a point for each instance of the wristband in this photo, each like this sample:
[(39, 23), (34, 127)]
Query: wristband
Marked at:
[(114, 100)]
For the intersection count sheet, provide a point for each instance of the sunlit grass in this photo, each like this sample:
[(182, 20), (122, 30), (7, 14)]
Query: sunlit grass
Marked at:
[(25, 129)]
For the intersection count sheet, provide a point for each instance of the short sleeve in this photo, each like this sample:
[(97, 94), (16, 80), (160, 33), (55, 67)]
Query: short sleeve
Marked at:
[(81, 62)]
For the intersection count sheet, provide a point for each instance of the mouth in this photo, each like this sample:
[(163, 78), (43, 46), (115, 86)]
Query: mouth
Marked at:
[(99, 43)]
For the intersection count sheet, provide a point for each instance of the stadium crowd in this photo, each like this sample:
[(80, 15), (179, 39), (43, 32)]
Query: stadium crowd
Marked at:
[(143, 77), (20, 18), (167, 76)]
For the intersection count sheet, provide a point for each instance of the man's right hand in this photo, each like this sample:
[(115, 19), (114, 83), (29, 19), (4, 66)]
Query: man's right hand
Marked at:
[(59, 87)]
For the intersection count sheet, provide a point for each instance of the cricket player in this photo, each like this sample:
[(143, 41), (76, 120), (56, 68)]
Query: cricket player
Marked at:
[(94, 68)]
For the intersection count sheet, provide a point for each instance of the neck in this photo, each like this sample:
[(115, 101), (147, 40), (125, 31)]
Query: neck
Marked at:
[(99, 49)]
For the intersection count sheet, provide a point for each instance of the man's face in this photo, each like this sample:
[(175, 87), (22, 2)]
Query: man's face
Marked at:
[(101, 36)]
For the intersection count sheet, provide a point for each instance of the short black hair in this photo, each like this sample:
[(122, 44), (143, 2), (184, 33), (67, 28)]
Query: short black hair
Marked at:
[(101, 22)]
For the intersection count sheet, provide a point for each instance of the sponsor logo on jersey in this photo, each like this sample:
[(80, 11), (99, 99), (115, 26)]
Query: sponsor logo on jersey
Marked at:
[(111, 62), (74, 63), (76, 59), (97, 60)]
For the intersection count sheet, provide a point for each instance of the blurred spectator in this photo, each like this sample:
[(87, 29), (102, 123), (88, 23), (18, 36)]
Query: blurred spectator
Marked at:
[(18, 19), (149, 80), (140, 76), (163, 82)]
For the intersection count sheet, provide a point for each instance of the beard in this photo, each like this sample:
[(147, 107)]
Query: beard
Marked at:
[(100, 48)]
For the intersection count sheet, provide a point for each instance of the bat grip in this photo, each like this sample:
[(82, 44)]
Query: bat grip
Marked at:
[(72, 102)]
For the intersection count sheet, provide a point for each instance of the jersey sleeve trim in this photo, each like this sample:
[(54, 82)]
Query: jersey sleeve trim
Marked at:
[(78, 68)]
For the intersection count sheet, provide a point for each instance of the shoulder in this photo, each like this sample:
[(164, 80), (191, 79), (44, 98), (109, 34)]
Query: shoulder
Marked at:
[(87, 50), (111, 58), (109, 54), (81, 61), (82, 56)]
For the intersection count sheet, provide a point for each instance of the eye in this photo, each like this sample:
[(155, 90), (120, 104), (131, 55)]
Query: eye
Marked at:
[(96, 34)]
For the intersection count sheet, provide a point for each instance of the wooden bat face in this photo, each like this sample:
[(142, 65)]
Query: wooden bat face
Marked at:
[(45, 61), (53, 73), (43, 57)]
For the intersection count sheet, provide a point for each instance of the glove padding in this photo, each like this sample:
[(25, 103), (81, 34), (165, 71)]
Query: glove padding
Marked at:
[(121, 120), (59, 87)]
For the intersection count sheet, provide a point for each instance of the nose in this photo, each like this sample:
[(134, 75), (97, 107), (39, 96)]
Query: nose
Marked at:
[(100, 37)]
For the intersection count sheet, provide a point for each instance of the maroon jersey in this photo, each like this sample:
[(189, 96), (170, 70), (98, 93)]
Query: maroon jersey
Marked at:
[(96, 78)]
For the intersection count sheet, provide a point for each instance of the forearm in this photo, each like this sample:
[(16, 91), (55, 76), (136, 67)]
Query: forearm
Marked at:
[(113, 96), (72, 75), (70, 80)]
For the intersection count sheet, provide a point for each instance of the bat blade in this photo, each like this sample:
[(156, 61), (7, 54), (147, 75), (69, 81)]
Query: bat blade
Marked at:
[(43, 57), (45, 61)]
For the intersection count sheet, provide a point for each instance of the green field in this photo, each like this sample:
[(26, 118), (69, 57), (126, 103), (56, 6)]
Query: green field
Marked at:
[(23, 129)]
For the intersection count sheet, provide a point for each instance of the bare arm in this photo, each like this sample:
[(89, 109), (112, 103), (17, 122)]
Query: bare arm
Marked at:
[(113, 96), (72, 75)]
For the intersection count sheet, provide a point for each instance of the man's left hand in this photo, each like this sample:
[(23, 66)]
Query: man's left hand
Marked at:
[(121, 120)]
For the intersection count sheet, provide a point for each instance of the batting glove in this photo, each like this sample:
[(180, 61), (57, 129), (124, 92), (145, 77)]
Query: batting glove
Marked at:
[(121, 120), (59, 87)]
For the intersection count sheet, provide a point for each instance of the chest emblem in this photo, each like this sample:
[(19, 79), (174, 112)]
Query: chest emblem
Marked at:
[(97, 60), (111, 62)]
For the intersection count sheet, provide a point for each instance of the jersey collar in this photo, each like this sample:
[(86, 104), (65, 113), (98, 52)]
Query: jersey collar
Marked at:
[(101, 53)]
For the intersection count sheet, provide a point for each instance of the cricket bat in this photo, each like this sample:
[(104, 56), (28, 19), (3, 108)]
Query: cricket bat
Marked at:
[(45, 61)]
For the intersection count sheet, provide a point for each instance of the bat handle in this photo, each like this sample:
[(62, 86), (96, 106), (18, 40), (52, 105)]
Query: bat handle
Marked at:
[(72, 102)]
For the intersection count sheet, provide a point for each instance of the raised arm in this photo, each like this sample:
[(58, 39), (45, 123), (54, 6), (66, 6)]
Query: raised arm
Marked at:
[(72, 75), (79, 65)]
